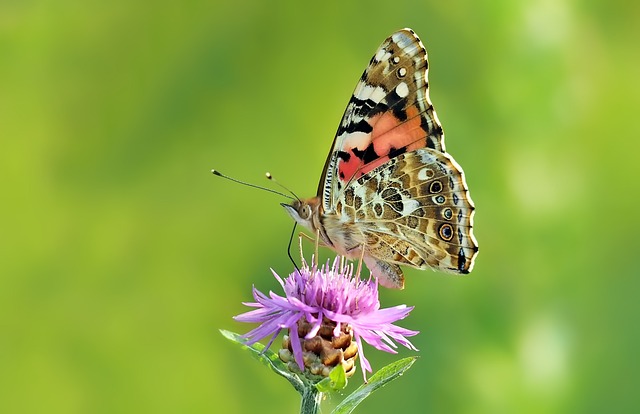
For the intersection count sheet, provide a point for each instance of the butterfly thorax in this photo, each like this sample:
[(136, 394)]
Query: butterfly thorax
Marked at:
[(334, 230)]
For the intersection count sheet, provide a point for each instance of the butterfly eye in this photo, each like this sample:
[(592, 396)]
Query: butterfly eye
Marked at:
[(305, 213)]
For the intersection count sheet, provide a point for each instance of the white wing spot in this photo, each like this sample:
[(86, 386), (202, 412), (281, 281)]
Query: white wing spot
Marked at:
[(382, 55), (364, 92), (378, 94), (402, 72), (402, 90), (426, 157), (425, 174), (396, 59), (409, 206)]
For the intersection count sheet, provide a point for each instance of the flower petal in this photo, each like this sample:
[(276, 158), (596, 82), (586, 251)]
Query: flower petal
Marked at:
[(333, 292)]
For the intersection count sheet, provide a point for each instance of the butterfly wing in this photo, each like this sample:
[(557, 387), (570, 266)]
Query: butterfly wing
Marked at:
[(389, 191), (389, 114), (415, 210)]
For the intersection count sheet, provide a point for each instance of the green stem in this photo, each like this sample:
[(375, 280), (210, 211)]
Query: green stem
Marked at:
[(311, 398)]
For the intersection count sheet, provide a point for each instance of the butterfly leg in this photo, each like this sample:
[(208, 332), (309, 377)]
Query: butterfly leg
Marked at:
[(360, 261), (300, 249), (317, 242)]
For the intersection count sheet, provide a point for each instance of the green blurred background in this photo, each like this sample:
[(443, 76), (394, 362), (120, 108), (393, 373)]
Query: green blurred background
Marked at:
[(121, 256)]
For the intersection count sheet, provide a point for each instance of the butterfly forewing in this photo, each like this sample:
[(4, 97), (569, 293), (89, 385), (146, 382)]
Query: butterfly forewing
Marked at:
[(389, 114)]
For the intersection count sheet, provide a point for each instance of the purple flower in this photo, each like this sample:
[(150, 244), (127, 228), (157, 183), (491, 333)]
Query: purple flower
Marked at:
[(330, 293)]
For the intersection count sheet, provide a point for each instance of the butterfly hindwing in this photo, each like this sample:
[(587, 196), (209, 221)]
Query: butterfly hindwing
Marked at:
[(415, 210)]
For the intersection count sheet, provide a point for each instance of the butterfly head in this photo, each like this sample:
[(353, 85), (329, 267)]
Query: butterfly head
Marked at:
[(308, 214), (303, 212)]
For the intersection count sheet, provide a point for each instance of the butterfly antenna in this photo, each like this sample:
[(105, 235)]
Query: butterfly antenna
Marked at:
[(219, 174), (271, 178)]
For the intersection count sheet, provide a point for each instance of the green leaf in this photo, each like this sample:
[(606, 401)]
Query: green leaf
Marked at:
[(268, 358), (377, 380), (336, 381)]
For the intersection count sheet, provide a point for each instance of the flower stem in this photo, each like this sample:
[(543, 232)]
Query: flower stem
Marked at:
[(311, 398)]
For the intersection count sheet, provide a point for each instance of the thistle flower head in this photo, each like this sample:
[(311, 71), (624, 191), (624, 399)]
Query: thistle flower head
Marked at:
[(327, 296)]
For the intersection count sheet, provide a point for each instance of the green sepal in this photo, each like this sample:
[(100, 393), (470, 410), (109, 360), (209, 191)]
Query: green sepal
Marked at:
[(336, 380)]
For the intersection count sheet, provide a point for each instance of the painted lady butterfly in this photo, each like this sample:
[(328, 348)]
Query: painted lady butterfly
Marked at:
[(388, 185)]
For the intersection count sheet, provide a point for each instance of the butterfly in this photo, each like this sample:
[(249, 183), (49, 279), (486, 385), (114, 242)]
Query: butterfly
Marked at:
[(389, 191)]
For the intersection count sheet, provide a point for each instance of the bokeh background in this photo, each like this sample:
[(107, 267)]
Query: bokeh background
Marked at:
[(121, 256)]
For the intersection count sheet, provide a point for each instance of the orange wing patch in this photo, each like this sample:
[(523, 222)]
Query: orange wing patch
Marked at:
[(389, 138)]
